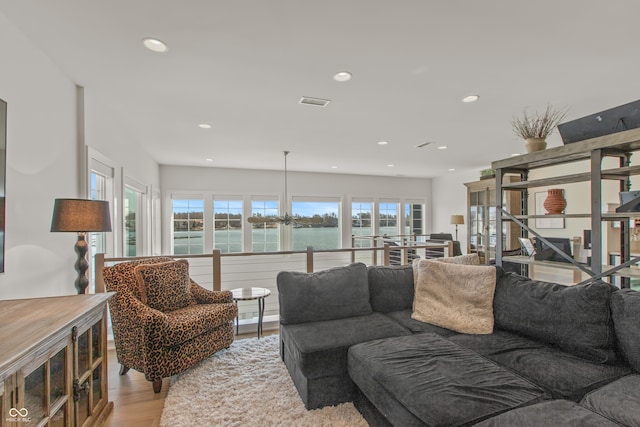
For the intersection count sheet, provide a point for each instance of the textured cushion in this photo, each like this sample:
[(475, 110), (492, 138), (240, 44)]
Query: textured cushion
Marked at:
[(454, 296), (320, 348), (194, 320), (335, 293), (469, 259), (552, 413), (618, 401), (123, 274), (165, 286), (563, 375), (426, 380), (625, 310), (391, 288), (575, 318)]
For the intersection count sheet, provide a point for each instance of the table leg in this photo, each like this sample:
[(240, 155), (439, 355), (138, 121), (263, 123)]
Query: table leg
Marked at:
[(237, 320), (260, 315)]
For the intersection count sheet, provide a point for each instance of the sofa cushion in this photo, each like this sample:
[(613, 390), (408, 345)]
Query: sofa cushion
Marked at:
[(194, 320), (424, 379), (575, 318), (454, 296), (165, 286), (563, 375), (625, 311), (551, 413), (123, 274), (391, 288), (468, 259), (403, 317), (618, 401), (336, 293), (319, 349)]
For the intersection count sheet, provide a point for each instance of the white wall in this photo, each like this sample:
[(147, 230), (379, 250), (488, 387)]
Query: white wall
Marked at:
[(450, 198), (242, 182), (44, 155)]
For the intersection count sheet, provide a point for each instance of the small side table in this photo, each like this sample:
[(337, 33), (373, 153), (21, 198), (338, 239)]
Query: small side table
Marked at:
[(245, 294)]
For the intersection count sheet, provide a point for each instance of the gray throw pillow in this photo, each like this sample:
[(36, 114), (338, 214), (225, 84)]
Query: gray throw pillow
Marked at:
[(575, 318), (625, 310), (336, 293)]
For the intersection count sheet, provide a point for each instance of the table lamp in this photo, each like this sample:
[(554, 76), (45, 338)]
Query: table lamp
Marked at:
[(81, 216), (457, 219)]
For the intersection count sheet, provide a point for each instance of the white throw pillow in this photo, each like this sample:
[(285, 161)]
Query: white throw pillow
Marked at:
[(454, 296)]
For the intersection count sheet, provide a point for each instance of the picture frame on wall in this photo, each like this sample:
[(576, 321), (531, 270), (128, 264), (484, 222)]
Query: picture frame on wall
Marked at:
[(539, 198)]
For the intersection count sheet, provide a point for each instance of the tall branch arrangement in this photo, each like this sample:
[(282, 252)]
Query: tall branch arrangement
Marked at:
[(537, 125)]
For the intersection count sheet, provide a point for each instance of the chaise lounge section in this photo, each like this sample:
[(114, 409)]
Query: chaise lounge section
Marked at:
[(570, 352)]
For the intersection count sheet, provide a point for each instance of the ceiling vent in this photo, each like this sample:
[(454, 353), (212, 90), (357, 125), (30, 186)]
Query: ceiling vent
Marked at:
[(318, 102), (424, 144)]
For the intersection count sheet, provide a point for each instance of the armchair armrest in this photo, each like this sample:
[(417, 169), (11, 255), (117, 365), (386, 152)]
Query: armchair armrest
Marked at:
[(205, 296)]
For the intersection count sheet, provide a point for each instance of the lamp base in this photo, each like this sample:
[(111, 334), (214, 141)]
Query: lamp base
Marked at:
[(81, 265)]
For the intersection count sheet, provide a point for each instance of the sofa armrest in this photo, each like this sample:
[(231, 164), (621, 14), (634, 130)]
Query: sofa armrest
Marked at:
[(205, 296)]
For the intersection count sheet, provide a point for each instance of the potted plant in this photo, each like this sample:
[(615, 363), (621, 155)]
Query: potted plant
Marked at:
[(487, 173), (535, 128)]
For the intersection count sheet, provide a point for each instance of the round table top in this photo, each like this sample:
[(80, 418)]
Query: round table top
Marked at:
[(250, 293)]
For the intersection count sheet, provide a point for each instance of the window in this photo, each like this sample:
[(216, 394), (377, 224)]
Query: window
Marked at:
[(319, 224), (227, 225), (388, 218), (361, 212), (135, 216), (413, 218), (132, 231), (264, 235), (188, 227)]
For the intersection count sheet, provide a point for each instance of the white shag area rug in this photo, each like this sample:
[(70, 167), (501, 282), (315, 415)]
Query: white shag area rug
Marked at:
[(246, 385)]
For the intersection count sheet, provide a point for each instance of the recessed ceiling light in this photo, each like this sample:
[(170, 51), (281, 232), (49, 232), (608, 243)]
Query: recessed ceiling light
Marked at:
[(382, 142), (451, 169), (342, 76), (334, 167), (204, 126), (471, 98), (390, 166), (155, 45), (515, 154), (209, 160), (442, 147)]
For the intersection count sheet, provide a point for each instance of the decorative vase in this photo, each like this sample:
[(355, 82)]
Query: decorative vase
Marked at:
[(555, 201), (535, 144)]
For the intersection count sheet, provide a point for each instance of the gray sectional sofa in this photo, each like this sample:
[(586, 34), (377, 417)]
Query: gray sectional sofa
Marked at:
[(558, 355)]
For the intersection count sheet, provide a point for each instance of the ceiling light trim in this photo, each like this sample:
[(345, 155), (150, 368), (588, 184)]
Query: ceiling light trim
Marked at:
[(155, 45)]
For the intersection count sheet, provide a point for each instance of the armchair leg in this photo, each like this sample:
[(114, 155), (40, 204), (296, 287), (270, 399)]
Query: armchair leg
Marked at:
[(157, 386), (123, 369)]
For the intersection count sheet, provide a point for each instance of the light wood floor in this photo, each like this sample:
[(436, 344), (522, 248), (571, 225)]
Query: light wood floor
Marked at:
[(134, 402)]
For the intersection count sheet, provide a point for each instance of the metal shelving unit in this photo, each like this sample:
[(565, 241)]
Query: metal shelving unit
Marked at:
[(619, 145)]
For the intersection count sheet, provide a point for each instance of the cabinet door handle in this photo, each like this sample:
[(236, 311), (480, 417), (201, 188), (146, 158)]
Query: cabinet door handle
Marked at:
[(77, 388)]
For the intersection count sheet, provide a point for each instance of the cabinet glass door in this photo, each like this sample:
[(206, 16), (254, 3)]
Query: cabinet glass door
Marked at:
[(89, 379)]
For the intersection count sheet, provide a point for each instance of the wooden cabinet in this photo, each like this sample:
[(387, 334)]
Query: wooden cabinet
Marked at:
[(53, 361), (481, 219)]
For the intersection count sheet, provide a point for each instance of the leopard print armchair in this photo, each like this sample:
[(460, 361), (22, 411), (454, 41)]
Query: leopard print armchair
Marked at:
[(162, 343)]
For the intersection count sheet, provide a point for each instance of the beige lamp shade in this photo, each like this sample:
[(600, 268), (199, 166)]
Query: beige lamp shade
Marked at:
[(81, 215), (457, 219)]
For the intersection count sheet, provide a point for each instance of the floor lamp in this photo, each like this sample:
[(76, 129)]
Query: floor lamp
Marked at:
[(81, 216), (457, 220)]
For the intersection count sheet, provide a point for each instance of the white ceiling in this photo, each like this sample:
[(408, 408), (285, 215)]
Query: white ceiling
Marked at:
[(243, 65)]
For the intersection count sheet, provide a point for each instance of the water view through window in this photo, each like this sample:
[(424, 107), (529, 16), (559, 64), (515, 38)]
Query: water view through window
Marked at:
[(323, 229), (188, 227)]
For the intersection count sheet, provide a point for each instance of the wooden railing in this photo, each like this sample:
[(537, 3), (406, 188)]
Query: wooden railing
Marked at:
[(407, 253)]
